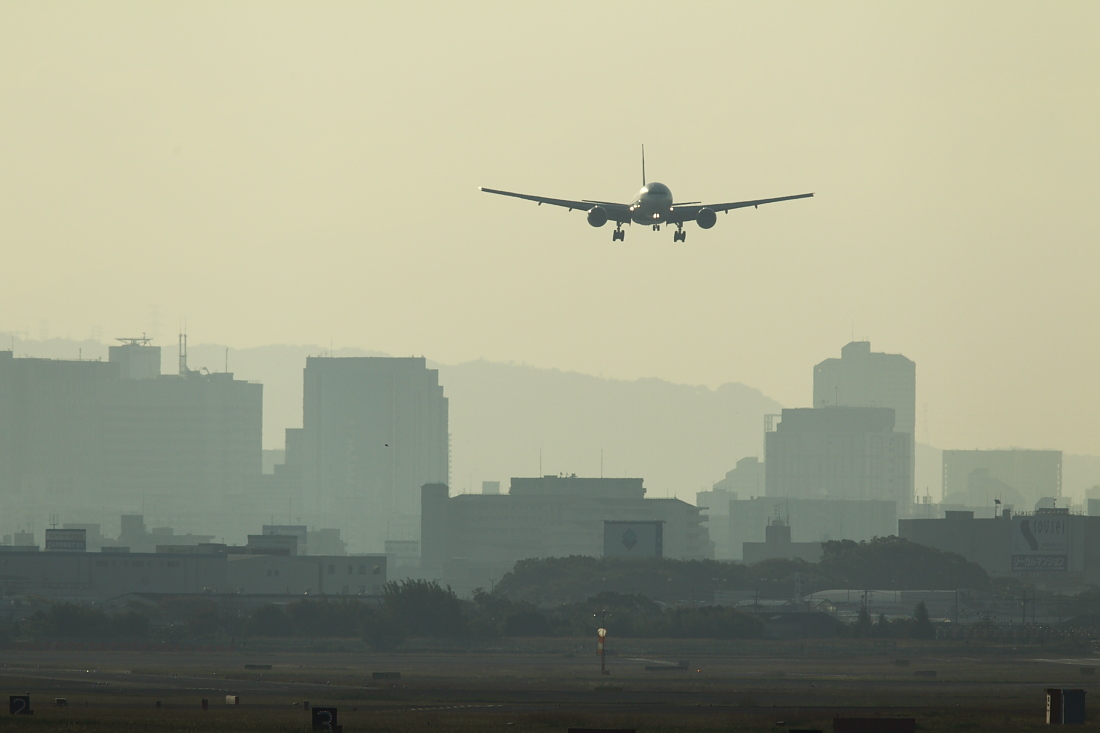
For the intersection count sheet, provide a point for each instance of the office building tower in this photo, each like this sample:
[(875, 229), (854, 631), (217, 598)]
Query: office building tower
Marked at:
[(89, 438), (374, 431), (839, 453), (862, 378)]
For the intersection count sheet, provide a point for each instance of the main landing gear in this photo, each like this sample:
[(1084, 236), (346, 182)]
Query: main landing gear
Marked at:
[(618, 235), (679, 236)]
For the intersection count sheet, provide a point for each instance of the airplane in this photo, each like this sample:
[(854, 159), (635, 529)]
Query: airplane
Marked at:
[(652, 205)]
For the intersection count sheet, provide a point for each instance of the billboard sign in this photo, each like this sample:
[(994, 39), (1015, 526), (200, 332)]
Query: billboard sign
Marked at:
[(633, 539), (1040, 543)]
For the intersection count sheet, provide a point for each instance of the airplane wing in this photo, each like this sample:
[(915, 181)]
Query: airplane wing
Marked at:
[(615, 212), (688, 212)]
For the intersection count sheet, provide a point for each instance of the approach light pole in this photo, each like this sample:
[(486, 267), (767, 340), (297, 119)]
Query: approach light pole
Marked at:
[(601, 637)]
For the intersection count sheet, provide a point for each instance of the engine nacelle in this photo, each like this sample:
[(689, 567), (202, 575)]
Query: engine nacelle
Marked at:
[(706, 218), (597, 216)]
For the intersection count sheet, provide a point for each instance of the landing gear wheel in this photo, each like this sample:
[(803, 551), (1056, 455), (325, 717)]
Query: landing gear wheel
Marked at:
[(680, 236), (618, 236)]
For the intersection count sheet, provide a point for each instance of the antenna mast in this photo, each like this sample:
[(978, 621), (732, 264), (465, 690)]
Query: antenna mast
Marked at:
[(183, 354)]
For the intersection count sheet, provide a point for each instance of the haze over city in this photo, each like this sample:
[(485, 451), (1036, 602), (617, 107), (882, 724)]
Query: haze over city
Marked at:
[(282, 174), (292, 412)]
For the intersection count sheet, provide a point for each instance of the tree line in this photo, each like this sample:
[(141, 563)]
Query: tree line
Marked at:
[(884, 563), (568, 597), (418, 608)]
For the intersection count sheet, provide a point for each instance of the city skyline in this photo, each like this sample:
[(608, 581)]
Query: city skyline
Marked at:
[(270, 173), (494, 437)]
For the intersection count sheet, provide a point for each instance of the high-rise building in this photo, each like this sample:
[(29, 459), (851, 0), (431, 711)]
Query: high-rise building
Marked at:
[(90, 438), (839, 453), (374, 431), (862, 378)]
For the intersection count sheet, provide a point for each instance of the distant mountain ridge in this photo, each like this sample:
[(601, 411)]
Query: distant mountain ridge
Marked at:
[(511, 420)]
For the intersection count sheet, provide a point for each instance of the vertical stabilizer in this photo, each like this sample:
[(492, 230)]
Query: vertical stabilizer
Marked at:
[(643, 165)]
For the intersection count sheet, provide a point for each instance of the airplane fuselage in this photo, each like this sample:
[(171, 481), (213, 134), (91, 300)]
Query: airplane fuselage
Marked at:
[(652, 205)]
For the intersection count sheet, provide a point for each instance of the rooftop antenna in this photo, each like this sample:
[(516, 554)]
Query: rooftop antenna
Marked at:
[(183, 354), (643, 164)]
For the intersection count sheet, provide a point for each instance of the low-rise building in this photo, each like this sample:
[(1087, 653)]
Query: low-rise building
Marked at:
[(1050, 547), (777, 545), (471, 540), (214, 569), (811, 520)]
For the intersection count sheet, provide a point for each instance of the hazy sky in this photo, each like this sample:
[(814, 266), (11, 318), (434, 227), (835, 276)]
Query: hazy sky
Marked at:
[(307, 172)]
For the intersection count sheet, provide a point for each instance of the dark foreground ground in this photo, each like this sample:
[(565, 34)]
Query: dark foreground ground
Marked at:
[(760, 688)]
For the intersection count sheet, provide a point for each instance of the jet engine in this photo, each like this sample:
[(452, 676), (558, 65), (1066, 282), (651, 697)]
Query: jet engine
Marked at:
[(597, 216), (706, 218)]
